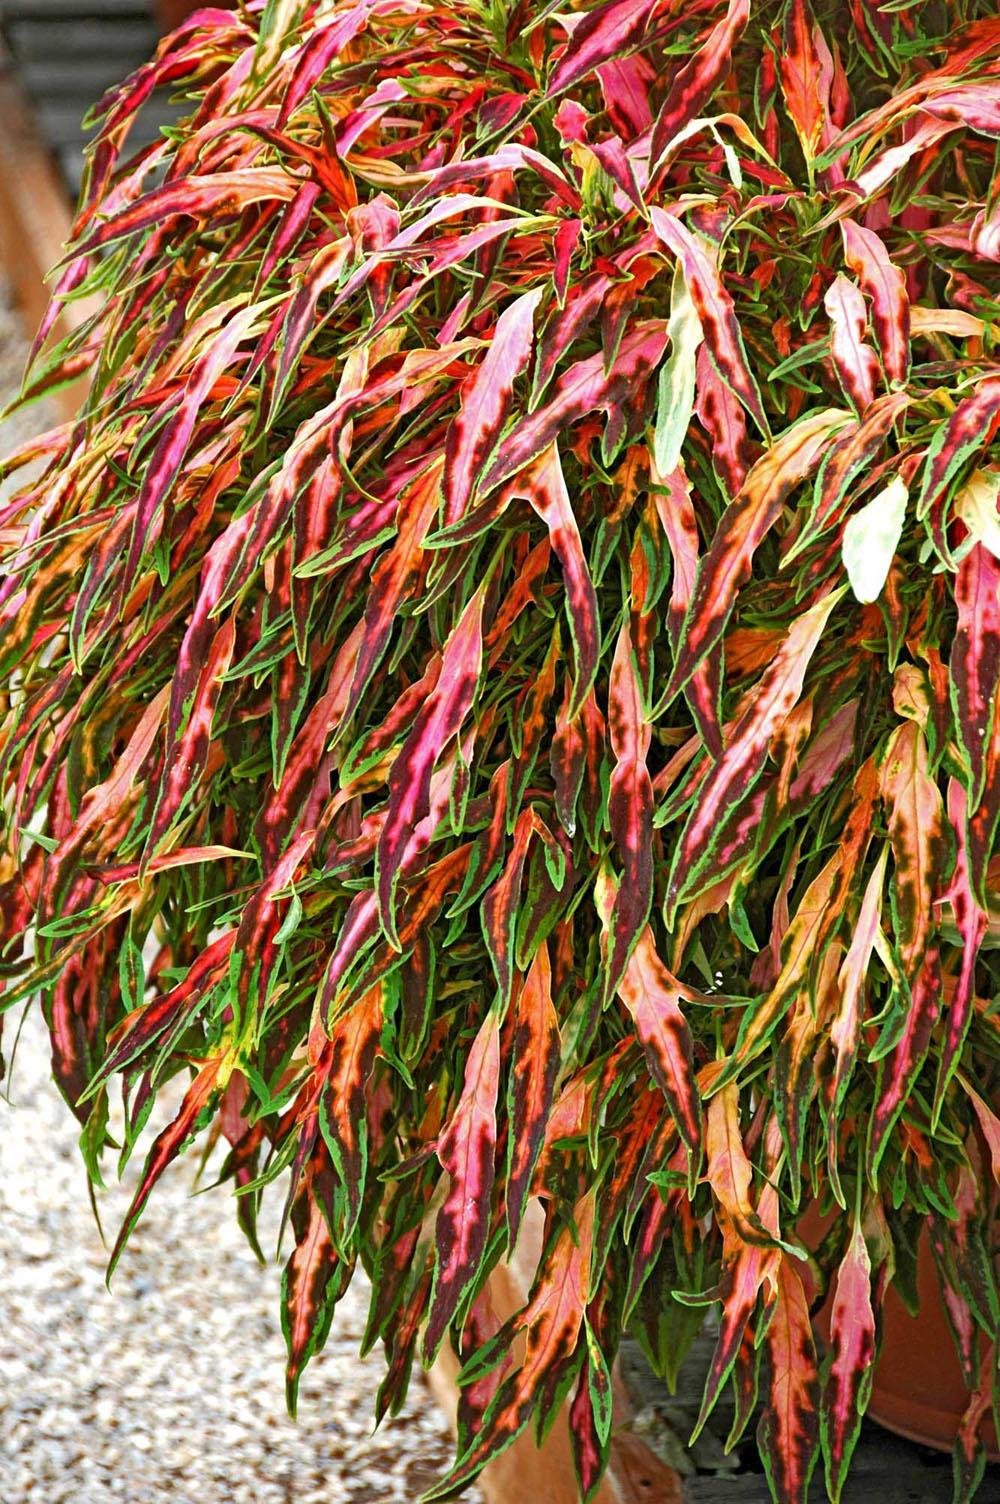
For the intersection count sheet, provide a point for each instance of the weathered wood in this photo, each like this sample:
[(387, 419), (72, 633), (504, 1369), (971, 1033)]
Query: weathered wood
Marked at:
[(34, 217)]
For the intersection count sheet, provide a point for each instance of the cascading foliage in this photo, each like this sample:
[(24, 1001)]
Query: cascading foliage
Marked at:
[(499, 679)]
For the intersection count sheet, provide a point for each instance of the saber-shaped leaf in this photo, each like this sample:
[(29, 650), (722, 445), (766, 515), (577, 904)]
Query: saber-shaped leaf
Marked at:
[(584, 388), (694, 83), (597, 37), (898, 1072), (727, 1168), (849, 1367), (630, 812), (195, 1110), (806, 70), (396, 576), (186, 753), (975, 661), (466, 1151), (144, 1025), (531, 1084), (733, 776), (675, 391), (168, 456), (989, 1124), (311, 1281), (676, 513), (198, 196), (837, 1059), (724, 420), (745, 523), (856, 447), (971, 922), (104, 802), (748, 1270), (816, 917), (653, 996), (501, 904), (915, 812), (868, 259), (486, 404), (439, 720), (716, 313), (544, 486), (552, 1322), (788, 1435), (856, 362), (343, 1104), (969, 428)]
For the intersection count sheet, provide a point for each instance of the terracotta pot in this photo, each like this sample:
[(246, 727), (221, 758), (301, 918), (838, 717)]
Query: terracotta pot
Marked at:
[(918, 1390)]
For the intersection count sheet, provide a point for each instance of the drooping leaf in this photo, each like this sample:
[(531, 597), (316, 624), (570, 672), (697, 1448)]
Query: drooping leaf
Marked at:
[(466, 1151), (849, 1367)]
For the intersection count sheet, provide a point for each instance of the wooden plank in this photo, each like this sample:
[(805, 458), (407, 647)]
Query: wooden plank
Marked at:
[(47, 10), (92, 36), (34, 217)]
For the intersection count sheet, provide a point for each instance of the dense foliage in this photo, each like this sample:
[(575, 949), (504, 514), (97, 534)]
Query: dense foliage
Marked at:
[(500, 678)]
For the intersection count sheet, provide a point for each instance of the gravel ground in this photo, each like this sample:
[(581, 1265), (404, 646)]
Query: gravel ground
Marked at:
[(171, 1386)]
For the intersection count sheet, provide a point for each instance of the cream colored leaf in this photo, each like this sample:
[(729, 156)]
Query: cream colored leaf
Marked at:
[(871, 537)]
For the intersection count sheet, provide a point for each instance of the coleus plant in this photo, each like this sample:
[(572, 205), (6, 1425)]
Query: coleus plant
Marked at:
[(500, 680)]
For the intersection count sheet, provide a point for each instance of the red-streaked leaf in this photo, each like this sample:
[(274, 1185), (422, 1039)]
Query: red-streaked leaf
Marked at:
[(728, 1169), (723, 419), (715, 310), (915, 812), (168, 456), (745, 523), (749, 1271), (585, 387), (730, 780), (343, 1105), (806, 69), (597, 37), (466, 1151), (838, 1059), (789, 1430), (396, 576), (543, 484), (971, 922), (439, 720), (694, 83), (501, 905), (856, 362), (989, 1124), (975, 661), (187, 746), (552, 1321), (486, 404), (653, 997), (850, 1365), (898, 1072), (311, 1282), (204, 194), (868, 259), (199, 1102), (676, 513), (531, 1084), (630, 812), (966, 430)]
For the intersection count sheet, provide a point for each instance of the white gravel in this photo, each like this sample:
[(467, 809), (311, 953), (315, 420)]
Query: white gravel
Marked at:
[(171, 1386)]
